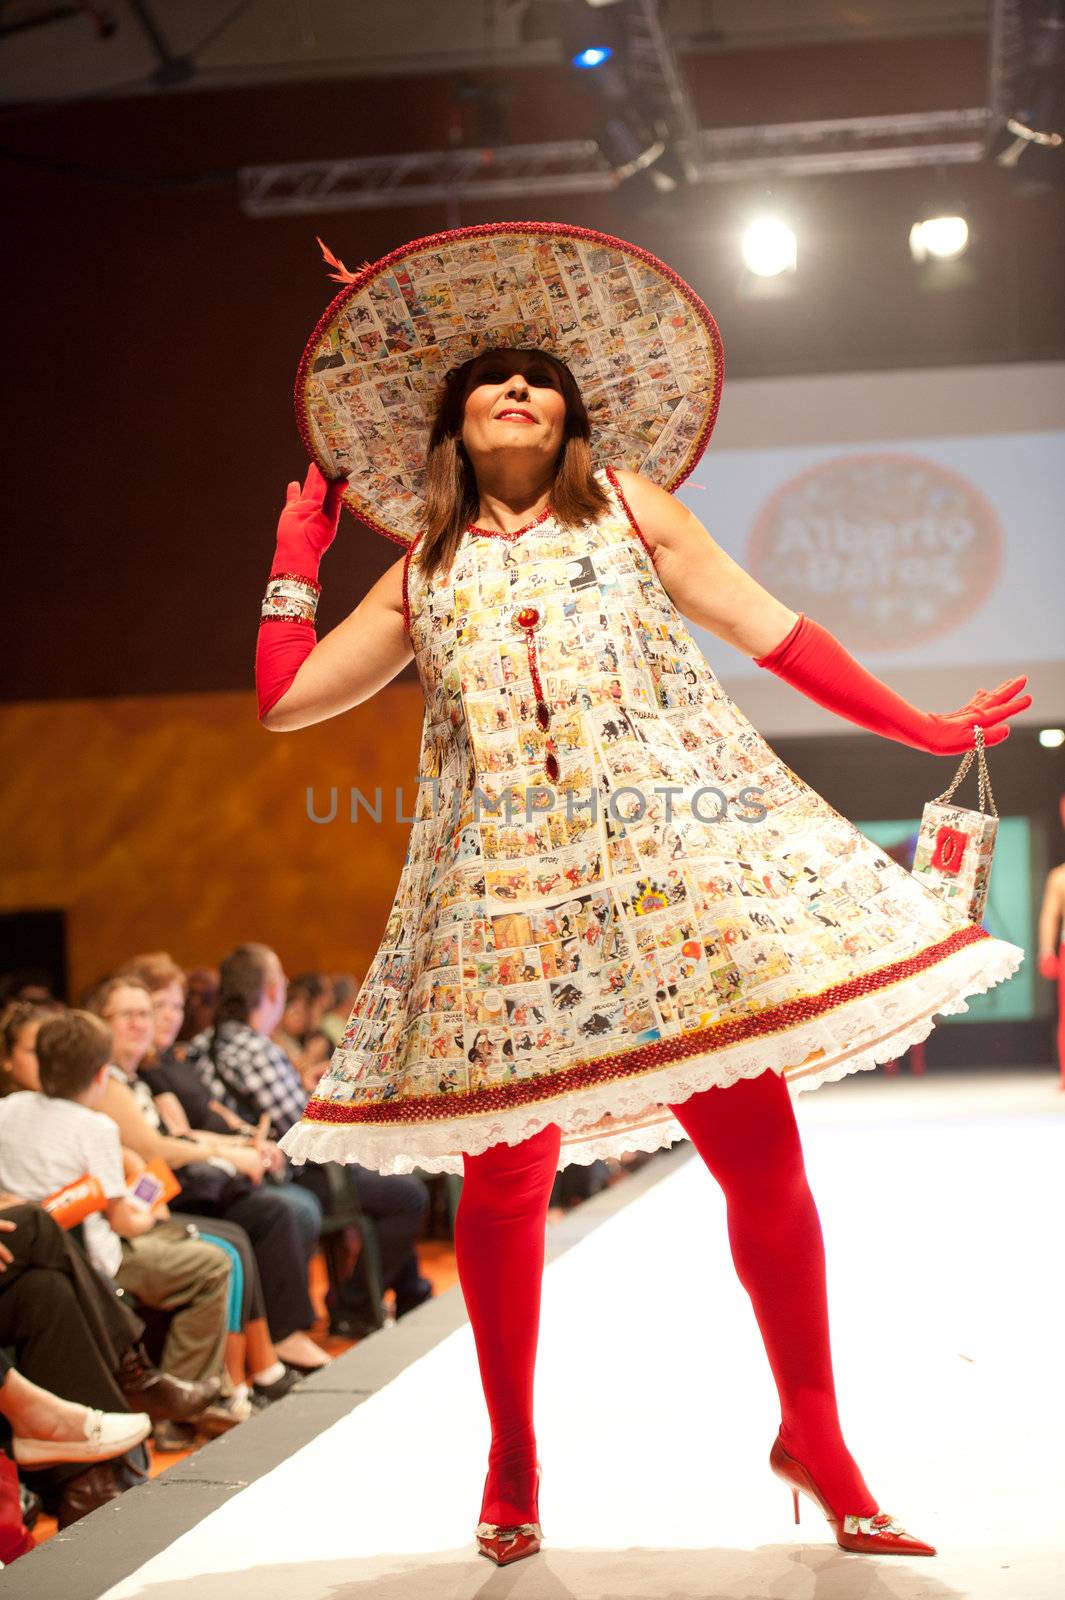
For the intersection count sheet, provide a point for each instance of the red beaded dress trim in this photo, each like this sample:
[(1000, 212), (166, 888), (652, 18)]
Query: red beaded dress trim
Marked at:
[(633, 1063), (406, 581), (515, 533), (635, 526)]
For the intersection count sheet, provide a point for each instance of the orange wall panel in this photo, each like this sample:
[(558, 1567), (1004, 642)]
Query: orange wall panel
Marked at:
[(177, 822)]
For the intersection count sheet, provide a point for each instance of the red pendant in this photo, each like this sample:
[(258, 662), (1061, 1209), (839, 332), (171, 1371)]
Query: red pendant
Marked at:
[(543, 713), (527, 617), (551, 766)]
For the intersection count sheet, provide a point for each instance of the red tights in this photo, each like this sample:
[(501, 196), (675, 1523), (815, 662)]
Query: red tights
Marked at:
[(748, 1138)]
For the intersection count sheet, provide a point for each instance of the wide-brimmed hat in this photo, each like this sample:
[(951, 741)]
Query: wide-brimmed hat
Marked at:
[(644, 350)]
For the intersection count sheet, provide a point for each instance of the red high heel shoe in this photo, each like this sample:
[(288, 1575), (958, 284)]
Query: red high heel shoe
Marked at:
[(504, 1543), (878, 1535)]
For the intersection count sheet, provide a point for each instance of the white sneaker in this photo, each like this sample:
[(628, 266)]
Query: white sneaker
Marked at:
[(107, 1434)]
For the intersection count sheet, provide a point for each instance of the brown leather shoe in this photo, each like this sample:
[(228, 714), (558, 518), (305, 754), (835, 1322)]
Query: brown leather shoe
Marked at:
[(103, 1482), (164, 1397)]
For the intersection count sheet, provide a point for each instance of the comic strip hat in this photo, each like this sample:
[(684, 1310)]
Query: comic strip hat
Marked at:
[(643, 348)]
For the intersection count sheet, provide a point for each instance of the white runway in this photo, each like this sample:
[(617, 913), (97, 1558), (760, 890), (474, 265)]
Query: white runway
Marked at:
[(942, 1206)]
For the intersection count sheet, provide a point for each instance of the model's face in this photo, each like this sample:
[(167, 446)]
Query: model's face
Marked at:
[(21, 1065), (514, 403), (168, 1006)]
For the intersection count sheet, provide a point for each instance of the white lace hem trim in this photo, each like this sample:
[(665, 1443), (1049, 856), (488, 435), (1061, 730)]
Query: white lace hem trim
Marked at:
[(855, 1037)]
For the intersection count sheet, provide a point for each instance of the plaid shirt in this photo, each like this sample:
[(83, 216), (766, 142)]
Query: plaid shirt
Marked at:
[(255, 1064)]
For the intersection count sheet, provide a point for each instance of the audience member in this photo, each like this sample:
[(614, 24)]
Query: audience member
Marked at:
[(34, 984), (306, 1001), (44, 1264), (54, 1137), (240, 1065), (337, 1017), (143, 1020), (315, 1058), (19, 1021), (201, 999)]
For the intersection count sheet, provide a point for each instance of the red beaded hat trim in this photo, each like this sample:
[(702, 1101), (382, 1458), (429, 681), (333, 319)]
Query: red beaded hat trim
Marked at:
[(353, 282), (631, 1063)]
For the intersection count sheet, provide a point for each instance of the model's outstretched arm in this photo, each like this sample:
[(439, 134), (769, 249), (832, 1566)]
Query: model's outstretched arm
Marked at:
[(714, 591), (301, 679)]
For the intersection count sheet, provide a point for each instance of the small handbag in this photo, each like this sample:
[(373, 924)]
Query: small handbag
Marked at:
[(955, 846)]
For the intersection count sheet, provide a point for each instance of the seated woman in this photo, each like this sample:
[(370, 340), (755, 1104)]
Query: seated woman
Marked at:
[(282, 1311), (188, 1108)]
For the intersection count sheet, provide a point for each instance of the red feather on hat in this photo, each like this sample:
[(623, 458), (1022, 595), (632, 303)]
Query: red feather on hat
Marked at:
[(343, 273)]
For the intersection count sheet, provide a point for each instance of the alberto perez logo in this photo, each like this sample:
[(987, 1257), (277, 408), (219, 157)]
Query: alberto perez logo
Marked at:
[(886, 550)]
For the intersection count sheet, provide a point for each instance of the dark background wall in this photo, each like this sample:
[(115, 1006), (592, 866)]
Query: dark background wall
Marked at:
[(153, 330)]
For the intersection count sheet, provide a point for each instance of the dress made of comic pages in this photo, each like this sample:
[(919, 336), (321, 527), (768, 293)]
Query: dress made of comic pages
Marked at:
[(683, 912)]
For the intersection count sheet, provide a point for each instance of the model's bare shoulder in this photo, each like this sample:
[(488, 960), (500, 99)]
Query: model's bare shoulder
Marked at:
[(655, 513)]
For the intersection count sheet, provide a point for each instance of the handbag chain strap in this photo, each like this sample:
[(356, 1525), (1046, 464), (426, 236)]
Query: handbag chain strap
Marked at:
[(987, 799)]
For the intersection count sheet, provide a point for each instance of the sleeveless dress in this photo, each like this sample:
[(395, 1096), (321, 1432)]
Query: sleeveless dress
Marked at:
[(615, 894)]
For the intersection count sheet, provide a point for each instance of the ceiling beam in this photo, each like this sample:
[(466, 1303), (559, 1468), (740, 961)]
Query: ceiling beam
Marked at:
[(577, 166)]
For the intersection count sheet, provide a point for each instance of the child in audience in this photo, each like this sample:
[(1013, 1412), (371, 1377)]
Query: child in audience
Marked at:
[(53, 1137)]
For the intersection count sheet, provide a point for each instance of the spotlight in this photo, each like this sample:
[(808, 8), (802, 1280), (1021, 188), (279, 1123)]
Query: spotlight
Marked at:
[(944, 238), (590, 36), (629, 144), (593, 55), (1052, 738), (768, 247)]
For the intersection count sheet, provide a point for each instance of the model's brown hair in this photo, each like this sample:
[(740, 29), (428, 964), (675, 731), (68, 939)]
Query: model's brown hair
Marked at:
[(71, 1049), (451, 494)]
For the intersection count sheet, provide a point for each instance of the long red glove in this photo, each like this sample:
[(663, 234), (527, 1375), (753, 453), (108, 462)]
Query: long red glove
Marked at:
[(306, 529), (813, 661)]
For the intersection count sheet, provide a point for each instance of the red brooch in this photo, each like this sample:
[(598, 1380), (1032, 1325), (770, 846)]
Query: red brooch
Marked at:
[(950, 847)]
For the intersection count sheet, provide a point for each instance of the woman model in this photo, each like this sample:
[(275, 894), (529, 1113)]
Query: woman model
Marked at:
[(621, 920)]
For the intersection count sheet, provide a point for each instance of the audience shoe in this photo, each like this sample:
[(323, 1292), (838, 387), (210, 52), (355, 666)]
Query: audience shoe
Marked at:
[(411, 1302), (164, 1397), (504, 1543), (876, 1535), (223, 1415), (107, 1434), (354, 1325), (264, 1394), (30, 1504), (101, 1483), (170, 1437)]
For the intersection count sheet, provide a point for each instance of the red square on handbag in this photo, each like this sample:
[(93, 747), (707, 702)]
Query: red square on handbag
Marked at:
[(949, 850)]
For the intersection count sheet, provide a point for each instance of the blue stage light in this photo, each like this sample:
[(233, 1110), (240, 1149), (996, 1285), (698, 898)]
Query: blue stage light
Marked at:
[(593, 56)]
